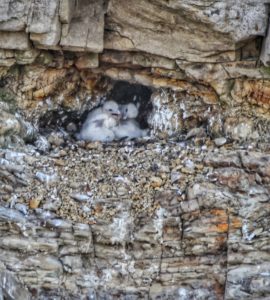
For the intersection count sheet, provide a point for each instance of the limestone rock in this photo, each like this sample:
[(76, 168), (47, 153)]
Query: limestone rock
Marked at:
[(9, 124), (172, 22), (85, 32), (87, 61), (183, 214), (12, 288), (209, 72), (166, 239), (172, 114), (238, 129), (14, 40), (7, 62), (48, 40), (255, 92), (265, 52), (26, 57), (41, 15), (136, 59), (13, 15), (66, 10)]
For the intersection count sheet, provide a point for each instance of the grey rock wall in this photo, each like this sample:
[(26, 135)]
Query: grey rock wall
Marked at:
[(154, 27), (70, 25), (190, 223), (183, 216)]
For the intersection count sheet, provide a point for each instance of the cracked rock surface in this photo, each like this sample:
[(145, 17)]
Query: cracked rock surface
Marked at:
[(183, 214), (145, 219)]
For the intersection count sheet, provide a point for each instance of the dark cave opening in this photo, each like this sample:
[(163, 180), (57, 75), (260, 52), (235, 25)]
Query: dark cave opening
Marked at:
[(124, 92), (121, 92)]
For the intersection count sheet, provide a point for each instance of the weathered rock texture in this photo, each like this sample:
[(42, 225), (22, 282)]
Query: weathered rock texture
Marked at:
[(206, 52), (160, 221), (182, 216)]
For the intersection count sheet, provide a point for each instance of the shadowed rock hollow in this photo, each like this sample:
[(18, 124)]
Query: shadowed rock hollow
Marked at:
[(181, 214)]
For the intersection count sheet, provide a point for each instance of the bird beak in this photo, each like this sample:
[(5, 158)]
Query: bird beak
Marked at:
[(117, 115)]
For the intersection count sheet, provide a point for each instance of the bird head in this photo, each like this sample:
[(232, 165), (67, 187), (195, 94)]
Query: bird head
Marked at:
[(129, 111), (112, 108)]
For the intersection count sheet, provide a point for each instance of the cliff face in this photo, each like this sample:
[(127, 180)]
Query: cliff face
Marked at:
[(184, 215), (212, 53)]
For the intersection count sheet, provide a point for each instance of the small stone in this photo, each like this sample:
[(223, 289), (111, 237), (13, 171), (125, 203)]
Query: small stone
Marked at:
[(22, 208), (94, 145), (80, 197), (121, 191), (75, 185), (59, 162), (81, 144), (34, 203), (156, 182), (62, 153), (175, 176), (8, 188), (71, 127), (42, 144), (9, 124), (56, 139), (164, 169), (187, 170), (199, 167), (46, 178), (86, 209), (220, 141), (196, 132)]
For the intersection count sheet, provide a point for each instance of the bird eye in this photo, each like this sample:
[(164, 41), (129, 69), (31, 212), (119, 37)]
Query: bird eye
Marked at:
[(126, 109), (110, 109)]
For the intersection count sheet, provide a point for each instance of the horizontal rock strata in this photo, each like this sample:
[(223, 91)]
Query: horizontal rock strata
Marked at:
[(189, 224), (183, 215)]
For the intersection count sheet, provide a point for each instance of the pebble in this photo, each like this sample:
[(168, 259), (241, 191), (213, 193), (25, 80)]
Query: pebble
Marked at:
[(34, 203), (175, 176), (187, 170), (8, 188), (80, 197), (46, 178), (156, 182), (59, 162), (164, 169), (106, 172), (56, 139), (121, 191), (42, 144), (62, 153), (71, 127), (22, 208), (196, 132), (93, 145), (220, 141)]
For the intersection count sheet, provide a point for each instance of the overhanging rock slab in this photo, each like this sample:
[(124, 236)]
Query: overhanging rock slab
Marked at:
[(14, 40), (86, 29)]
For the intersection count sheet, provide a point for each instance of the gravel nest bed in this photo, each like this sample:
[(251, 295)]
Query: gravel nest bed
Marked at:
[(92, 182)]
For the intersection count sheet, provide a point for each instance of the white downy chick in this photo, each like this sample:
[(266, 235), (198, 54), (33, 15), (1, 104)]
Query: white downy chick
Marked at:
[(129, 111), (99, 123), (129, 129)]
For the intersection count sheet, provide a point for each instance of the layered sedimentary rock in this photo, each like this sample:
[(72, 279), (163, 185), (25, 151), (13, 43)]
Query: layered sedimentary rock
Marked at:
[(183, 215), (192, 222)]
